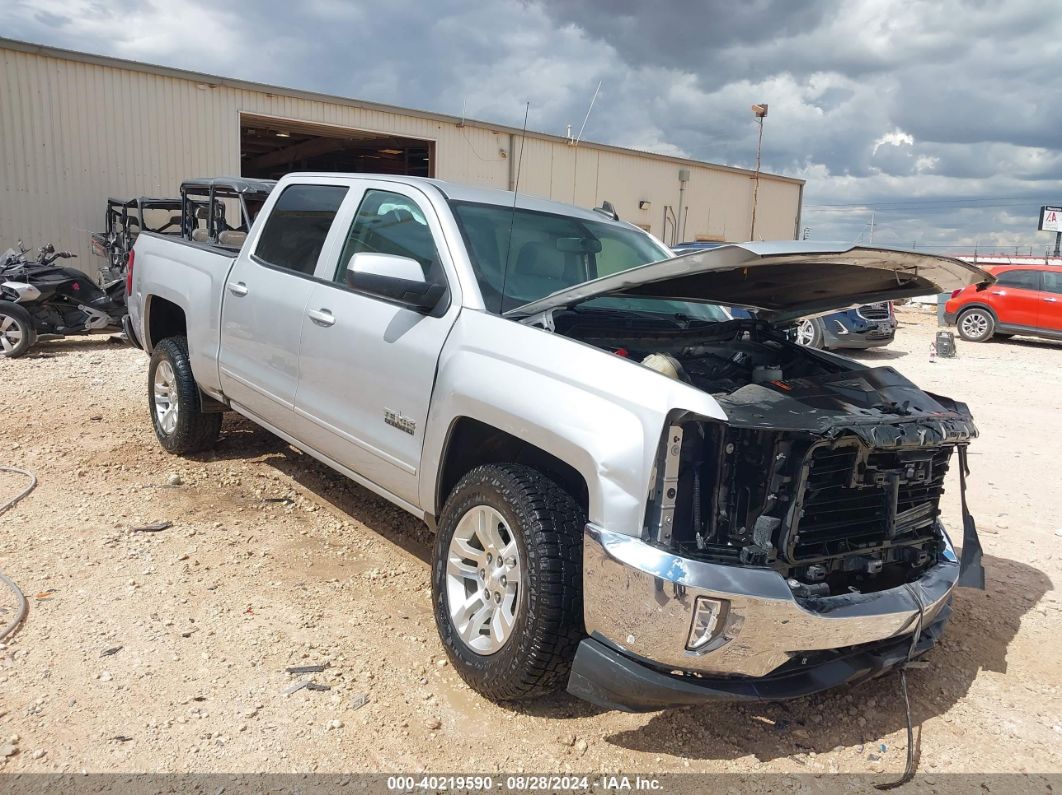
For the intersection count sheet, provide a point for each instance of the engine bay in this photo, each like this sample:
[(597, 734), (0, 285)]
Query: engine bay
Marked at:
[(826, 470), (718, 358)]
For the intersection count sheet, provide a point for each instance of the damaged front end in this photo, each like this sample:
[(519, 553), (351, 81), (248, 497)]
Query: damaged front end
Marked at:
[(826, 471), (833, 481), (795, 546)]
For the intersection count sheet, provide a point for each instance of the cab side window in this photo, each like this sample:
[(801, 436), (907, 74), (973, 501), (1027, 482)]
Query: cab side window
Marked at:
[(389, 223), (1024, 280), (295, 230)]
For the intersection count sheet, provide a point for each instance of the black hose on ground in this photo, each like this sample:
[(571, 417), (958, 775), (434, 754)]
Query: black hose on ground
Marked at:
[(21, 607), (913, 754)]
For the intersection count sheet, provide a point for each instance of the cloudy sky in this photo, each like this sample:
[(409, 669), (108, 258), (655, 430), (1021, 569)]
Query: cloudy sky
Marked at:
[(940, 120)]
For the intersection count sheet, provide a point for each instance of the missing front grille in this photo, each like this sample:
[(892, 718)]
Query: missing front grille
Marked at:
[(853, 499)]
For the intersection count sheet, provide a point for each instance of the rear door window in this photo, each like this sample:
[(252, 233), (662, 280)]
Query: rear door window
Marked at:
[(296, 228), (1052, 281), (1025, 280)]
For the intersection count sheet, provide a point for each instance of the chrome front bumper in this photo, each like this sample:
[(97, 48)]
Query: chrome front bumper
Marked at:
[(639, 600)]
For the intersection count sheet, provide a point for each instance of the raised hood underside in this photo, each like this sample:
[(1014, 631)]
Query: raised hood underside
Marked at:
[(780, 280)]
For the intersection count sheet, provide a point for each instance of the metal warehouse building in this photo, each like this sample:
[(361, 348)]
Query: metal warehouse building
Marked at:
[(77, 128)]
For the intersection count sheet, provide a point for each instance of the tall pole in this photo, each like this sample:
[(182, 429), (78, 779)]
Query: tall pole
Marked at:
[(756, 183)]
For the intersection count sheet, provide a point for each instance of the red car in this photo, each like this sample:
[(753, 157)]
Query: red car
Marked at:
[(1024, 299)]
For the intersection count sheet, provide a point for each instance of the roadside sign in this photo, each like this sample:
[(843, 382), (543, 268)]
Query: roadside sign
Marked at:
[(1050, 219)]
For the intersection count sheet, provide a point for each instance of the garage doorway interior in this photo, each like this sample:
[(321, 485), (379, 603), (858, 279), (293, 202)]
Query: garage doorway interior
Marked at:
[(271, 148)]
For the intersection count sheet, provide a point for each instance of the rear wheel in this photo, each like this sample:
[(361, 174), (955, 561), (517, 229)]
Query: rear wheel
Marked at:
[(976, 325), (16, 330), (809, 333), (173, 398), (507, 581)]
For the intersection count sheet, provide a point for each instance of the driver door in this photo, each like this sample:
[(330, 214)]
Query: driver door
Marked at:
[(367, 365)]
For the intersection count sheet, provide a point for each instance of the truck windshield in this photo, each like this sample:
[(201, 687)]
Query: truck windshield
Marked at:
[(546, 252)]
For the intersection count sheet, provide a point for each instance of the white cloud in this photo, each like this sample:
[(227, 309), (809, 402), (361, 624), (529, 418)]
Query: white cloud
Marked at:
[(894, 138)]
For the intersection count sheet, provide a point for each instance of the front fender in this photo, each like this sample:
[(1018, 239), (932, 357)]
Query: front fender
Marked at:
[(600, 413)]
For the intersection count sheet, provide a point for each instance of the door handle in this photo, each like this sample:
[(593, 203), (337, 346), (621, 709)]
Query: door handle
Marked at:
[(322, 317), (996, 292), (1051, 300), (237, 288)]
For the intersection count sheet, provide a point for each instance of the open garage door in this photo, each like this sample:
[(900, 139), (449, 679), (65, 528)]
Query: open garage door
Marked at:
[(271, 148)]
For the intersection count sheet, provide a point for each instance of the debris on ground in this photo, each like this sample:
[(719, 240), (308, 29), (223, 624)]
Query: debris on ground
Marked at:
[(307, 669), (152, 528)]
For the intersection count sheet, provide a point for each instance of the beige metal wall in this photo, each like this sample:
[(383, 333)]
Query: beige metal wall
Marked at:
[(77, 129)]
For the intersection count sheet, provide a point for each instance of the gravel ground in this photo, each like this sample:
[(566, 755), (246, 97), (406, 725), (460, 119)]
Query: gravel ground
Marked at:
[(166, 651)]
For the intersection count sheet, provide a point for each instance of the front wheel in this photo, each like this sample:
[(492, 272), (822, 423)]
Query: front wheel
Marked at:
[(17, 335), (809, 334), (173, 399), (507, 581), (976, 325)]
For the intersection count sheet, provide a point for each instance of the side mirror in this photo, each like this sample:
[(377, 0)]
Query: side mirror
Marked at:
[(399, 280)]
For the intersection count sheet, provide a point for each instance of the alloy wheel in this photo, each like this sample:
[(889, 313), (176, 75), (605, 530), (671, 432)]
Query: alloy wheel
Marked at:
[(10, 333), (805, 333), (164, 390), (974, 324), (483, 579)]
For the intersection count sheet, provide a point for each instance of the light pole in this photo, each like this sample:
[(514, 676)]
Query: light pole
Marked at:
[(760, 112)]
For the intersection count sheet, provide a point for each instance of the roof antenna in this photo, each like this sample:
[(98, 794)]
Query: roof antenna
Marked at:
[(512, 215)]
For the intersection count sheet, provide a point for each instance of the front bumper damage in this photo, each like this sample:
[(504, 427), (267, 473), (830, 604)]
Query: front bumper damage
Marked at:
[(639, 604)]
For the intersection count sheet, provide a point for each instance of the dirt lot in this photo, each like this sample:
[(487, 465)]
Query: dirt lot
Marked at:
[(274, 561)]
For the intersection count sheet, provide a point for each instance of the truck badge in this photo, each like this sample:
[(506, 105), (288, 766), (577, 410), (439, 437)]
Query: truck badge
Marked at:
[(396, 419)]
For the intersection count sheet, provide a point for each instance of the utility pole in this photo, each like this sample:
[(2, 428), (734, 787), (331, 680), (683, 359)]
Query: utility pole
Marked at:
[(760, 112), (872, 228)]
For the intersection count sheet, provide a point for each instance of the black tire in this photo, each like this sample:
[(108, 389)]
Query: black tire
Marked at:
[(194, 430), (976, 324), (816, 337), (17, 320), (547, 526)]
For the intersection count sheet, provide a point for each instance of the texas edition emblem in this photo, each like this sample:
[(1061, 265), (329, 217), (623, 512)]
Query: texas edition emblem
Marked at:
[(402, 423)]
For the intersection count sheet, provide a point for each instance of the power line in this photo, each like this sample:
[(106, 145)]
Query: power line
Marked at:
[(985, 201)]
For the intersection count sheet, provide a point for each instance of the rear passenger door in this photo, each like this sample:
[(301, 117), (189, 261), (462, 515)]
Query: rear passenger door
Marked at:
[(367, 365), (1015, 298), (264, 303), (1051, 301)]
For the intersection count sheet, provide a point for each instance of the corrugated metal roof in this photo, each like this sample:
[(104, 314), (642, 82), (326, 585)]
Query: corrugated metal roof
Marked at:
[(215, 80)]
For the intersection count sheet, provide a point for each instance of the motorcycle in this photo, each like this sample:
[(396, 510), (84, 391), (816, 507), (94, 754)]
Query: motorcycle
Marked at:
[(40, 300)]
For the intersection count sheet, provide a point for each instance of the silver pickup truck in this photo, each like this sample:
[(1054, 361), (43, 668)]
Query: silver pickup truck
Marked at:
[(634, 495)]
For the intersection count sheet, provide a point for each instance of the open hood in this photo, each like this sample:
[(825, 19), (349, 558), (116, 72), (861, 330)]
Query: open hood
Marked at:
[(782, 280)]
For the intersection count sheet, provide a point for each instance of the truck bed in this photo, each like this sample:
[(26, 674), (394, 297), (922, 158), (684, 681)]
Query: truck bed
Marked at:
[(190, 275)]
